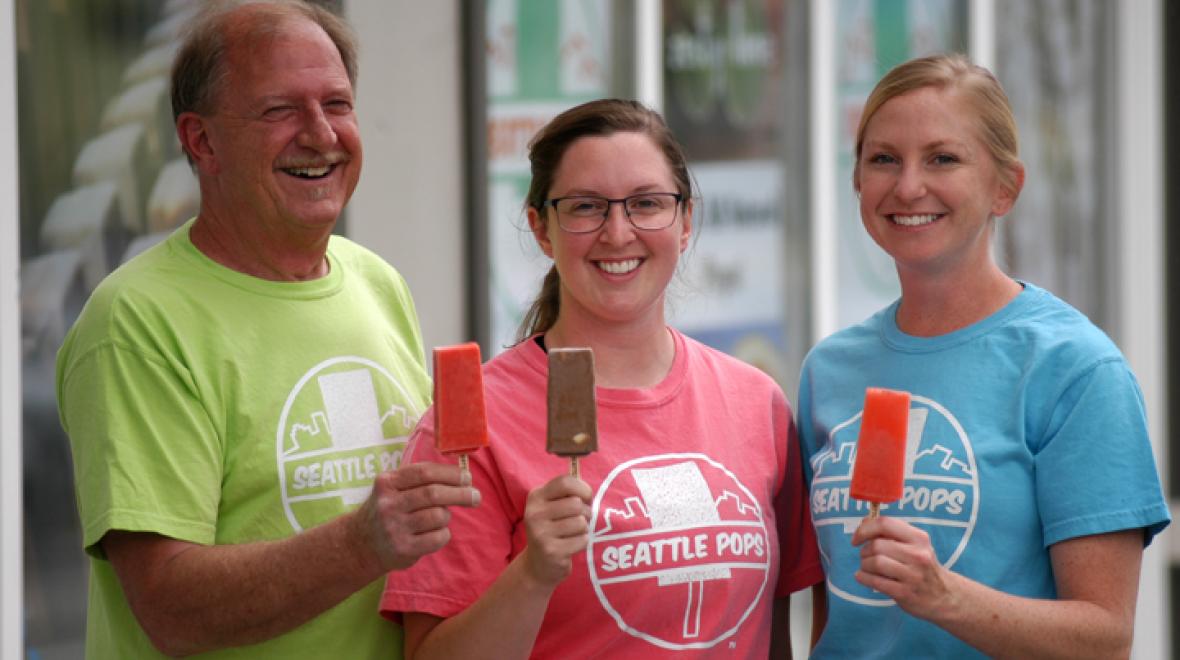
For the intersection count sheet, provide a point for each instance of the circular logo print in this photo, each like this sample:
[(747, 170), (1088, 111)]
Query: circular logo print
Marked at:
[(940, 495), (679, 553), (345, 422)]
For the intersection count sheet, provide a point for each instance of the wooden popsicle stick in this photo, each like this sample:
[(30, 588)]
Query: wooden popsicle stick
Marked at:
[(575, 471), (463, 466), (874, 510)]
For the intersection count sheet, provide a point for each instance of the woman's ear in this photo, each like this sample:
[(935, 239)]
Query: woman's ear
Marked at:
[(540, 230), (1009, 190), (686, 225)]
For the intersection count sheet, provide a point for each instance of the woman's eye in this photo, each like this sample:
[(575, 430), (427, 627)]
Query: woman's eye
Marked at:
[(585, 207), (882, 159), (944, 159)]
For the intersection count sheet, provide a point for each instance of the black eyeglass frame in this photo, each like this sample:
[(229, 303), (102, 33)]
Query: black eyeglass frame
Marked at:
[(552, 203)]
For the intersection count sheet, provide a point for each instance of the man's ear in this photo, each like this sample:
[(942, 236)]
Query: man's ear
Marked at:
[(540, 231), (193, 133)]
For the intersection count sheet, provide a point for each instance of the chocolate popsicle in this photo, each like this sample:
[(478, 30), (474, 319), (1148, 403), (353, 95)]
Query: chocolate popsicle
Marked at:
[(573, 412)]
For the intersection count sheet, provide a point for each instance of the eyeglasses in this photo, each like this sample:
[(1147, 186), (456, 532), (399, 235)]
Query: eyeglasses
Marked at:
[(582, 214)]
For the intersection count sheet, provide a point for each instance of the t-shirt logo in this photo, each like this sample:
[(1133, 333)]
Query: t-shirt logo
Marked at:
[(678, 536), (344, 422), (941, 494)]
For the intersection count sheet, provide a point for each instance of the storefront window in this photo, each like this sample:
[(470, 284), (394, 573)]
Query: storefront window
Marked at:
[(1053, 58), (542, 58), (102, 177), (724, 99), (873, 36)]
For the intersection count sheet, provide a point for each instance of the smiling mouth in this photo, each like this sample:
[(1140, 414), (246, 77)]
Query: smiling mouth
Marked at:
[(914, 220), (619, 267), (309, 172)]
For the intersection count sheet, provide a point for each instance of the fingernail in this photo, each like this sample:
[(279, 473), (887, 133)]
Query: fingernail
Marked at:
[(464, 478), (476, 498)]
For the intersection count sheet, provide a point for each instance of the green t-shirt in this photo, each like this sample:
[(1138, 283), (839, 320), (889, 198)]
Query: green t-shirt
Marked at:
[(217, 408)]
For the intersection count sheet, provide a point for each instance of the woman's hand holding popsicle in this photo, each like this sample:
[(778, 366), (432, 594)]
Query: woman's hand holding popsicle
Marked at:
[(897, 560), (557, 522)]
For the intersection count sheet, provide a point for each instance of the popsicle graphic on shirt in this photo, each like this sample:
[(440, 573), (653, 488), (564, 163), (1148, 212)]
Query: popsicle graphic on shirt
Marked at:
[(878, 475), (460, 420), (677, 496)]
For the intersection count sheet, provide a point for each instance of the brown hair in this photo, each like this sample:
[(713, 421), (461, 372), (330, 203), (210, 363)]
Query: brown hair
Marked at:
[(199, 69), (980, 88), (603, 117)]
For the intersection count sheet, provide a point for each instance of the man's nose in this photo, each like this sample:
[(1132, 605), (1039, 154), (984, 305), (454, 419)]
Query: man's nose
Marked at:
[(317, 132)]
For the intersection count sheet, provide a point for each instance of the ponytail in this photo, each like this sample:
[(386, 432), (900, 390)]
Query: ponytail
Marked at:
[(542, 313)]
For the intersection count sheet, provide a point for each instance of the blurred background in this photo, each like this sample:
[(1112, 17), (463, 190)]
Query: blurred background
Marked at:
[(764, 94)]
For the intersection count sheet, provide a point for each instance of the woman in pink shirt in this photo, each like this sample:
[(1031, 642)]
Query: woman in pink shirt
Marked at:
[(690, 520)]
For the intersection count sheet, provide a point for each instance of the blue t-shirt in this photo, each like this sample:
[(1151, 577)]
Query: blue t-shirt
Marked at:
[(1026, 429)]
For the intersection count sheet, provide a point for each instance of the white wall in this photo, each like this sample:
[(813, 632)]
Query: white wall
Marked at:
[(410, 202), (11, 579), (1141, 277)]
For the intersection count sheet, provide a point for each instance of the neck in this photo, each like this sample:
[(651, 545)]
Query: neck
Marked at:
[(932, 306), (627, 356), (250, 249)]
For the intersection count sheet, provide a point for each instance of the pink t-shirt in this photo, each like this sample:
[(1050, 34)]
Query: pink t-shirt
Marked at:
[(696, 481)]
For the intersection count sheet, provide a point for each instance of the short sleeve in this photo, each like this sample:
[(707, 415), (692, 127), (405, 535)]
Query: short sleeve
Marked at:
[(146, 456), (446, 582), (1094, 470)]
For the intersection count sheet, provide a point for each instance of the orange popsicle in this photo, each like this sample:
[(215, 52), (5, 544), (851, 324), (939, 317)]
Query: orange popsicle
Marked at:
[(460, 421), (879, 471)]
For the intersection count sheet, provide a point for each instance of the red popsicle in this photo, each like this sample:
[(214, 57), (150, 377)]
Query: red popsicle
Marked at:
[(879, 471), (460, 421)]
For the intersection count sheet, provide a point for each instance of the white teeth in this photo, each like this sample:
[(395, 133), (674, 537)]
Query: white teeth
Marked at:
[(619, 267), (914, 220), (311, 172)]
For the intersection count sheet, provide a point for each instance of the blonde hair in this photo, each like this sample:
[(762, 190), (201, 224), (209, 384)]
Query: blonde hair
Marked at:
[(983, 93)]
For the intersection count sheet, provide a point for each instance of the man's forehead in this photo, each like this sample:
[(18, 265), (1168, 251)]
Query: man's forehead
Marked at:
[(299, 45)]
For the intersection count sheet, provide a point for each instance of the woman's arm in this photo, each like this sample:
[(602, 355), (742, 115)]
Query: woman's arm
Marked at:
[(819, 612), (1097, 581), (504, 622), (780, 629)]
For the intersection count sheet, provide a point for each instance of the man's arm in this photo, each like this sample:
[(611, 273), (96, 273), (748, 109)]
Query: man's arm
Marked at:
[(191, 598)]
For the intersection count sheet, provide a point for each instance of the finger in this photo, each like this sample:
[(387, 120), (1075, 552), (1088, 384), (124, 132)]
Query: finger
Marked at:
[(868, 529), (421, 521), (566, 486), (430, 495), (568, 527), (408, 548), (901, 530), (878, 583), (420, 474)]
